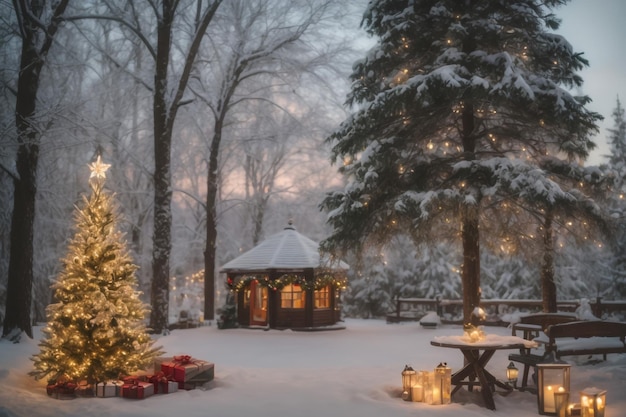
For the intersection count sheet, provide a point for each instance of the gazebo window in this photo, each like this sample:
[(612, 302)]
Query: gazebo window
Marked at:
[(322, 297), (292, 296)]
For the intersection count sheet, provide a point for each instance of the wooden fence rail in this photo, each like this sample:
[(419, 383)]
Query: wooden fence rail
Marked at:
[(412, 309)]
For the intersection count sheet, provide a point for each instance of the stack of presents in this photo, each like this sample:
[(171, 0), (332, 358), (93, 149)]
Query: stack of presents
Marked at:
[(170, 375)]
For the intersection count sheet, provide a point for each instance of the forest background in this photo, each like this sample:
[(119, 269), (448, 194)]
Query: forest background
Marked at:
[(268, 83)]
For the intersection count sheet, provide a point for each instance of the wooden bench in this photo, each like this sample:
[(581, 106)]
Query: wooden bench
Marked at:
[(588, 337), (532, 326), (572, 338)]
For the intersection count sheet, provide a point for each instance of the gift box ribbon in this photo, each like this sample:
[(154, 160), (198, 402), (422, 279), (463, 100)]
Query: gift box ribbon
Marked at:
[(183, 359)]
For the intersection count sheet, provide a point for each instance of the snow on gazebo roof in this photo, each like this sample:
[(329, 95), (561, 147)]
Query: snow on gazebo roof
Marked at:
[(285, 250)]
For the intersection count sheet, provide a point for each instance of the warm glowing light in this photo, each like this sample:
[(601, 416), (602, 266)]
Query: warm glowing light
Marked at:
[(98, 169)]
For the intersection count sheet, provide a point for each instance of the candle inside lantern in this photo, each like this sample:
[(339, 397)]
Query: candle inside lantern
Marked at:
[(573, 410), (417, 393), (548, 399), (561, 400), (436, 396)]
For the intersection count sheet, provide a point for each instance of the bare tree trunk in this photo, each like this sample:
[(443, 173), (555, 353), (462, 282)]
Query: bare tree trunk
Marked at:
[(211, 222), (162, 239), (35, 45), (548, 286), (164, 116)]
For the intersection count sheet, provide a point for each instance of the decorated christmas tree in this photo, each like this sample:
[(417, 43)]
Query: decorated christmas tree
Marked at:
[(96, 329)]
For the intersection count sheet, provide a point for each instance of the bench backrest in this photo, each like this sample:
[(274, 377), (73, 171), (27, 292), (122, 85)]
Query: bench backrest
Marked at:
[(547, 319), (587, 328)]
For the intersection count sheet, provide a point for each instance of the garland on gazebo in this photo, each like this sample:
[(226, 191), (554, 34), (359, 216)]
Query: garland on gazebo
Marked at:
[(322, 279)]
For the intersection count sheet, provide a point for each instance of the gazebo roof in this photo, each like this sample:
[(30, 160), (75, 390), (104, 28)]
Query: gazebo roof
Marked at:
[(283, 251)]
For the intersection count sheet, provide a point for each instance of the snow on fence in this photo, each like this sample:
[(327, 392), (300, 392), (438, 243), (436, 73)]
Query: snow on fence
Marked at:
[(499, 311)]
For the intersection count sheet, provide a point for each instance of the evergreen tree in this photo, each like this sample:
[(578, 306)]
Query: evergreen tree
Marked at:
[(459, 104), (438, 272), (617, 140), (96, 328), (370, 293), (508, 276), (617, 199)]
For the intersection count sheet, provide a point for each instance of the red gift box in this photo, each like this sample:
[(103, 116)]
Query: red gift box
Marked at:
[(63, 390), (84, 389), (188, 371), (138, 390), (162, 385)]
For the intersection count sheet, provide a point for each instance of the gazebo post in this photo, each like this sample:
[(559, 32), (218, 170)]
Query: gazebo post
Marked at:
[(309, 276)]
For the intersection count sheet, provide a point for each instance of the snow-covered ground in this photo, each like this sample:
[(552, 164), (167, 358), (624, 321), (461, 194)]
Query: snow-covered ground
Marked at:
[(351, 372)]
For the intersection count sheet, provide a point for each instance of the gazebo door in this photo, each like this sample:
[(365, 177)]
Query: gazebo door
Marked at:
[(258, 304)]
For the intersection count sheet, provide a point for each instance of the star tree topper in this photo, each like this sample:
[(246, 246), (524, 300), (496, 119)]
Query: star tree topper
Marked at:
[(98, 169)]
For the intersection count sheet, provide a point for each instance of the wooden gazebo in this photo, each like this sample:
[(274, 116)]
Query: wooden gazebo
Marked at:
[(284, 283)]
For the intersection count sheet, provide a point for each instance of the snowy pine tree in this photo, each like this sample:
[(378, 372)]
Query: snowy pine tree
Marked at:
[(370, 293), (617, 140), (96, 329), (508, 276), (617, 201), (438, 272), (458, 105)]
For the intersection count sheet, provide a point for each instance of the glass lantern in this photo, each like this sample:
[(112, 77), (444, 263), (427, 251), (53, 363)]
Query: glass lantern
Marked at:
[(409, 378), (511, 374), (551, 378), (442, 384), (592, 402)]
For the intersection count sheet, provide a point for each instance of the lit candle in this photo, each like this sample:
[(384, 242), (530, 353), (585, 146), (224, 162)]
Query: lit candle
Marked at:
[(574, 410), (548, 399), (474, 336), (417, 393), (561, 400), (587, 406), (436, 395)]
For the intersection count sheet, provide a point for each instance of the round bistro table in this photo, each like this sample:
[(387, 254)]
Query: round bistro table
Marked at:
[(473, 373)]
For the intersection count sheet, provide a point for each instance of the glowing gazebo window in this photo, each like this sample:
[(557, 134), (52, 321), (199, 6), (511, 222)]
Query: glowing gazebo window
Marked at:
[(322, 297), (292, 296)]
